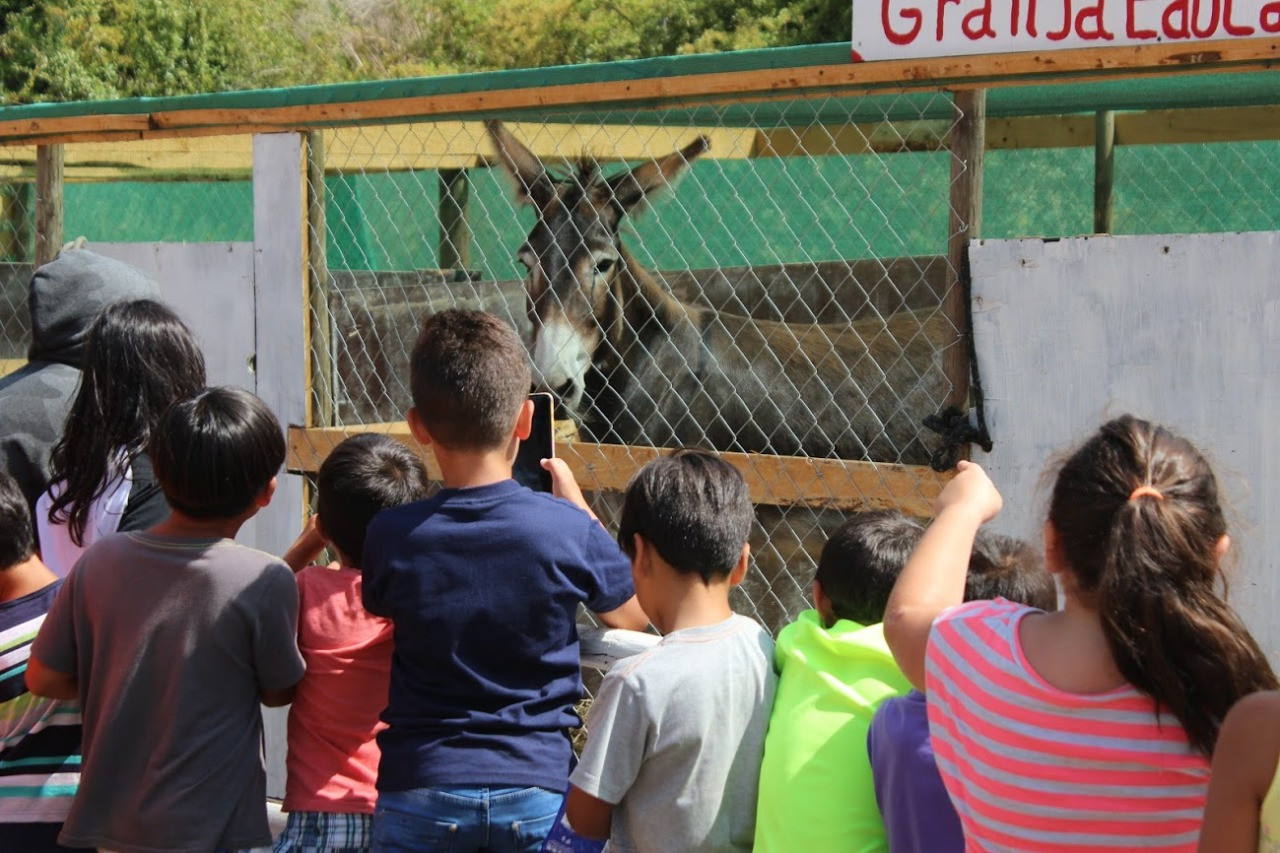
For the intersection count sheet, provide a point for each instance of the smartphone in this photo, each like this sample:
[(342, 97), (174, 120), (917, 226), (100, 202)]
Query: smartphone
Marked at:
[(540, 444)]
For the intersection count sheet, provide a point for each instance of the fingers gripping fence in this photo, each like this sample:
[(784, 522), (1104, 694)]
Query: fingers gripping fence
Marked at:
[(766, 261)]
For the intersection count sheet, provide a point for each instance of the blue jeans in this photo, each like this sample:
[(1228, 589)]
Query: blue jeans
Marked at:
[(464, 820)]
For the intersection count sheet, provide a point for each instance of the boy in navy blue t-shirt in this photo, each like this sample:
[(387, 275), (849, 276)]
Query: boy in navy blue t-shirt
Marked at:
[(482, 584)]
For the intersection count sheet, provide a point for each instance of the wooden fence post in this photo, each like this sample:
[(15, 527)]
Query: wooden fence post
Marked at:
[(968, 140), (16, 200), (49, 172), (320, 322), (1104, 175), (455, 231)]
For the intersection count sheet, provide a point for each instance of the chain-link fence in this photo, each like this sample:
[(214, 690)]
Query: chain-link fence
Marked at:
[(766, 277), (725, 296)]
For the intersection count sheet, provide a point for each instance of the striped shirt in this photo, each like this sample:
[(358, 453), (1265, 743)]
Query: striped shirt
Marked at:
[(39, 738), (1031, 767)]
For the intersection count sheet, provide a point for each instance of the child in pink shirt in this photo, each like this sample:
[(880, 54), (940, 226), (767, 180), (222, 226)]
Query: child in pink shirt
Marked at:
[(1088, 729), (333, 755)]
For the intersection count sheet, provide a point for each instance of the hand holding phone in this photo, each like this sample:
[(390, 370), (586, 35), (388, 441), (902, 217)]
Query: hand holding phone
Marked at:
[(540, 444)]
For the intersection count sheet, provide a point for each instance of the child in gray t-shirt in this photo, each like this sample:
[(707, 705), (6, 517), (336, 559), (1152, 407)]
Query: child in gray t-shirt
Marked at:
[(676, 734), (171, 637)]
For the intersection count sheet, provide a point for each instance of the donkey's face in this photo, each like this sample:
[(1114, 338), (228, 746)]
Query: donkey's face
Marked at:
[(573, 254)]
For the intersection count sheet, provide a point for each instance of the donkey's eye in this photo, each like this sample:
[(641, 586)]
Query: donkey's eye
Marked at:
[(604, 266)]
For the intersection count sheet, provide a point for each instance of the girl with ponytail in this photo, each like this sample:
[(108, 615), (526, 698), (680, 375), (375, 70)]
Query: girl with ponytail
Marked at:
[(1090, 728)]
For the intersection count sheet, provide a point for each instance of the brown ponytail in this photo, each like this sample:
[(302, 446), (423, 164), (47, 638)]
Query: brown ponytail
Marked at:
[(1150, 563)]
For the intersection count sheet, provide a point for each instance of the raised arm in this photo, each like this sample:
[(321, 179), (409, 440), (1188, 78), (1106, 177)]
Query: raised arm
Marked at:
[(563, 484), (933, 579), (629, 616), (306, 549)]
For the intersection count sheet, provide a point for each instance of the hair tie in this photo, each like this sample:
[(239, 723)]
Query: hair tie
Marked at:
[(1146, 491)]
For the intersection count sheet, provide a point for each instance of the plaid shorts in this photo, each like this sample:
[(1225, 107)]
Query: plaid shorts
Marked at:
[(325, 832)]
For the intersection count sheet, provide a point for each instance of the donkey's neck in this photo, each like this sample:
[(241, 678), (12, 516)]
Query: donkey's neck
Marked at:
[(645, 299)]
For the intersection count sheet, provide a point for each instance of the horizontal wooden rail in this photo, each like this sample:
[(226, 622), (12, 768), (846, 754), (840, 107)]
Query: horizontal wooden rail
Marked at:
[(846, 78), (461, 145), (776, 480)]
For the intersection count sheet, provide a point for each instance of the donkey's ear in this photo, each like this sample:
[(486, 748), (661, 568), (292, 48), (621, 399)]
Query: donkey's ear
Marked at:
[(533, 184), (628, 190)]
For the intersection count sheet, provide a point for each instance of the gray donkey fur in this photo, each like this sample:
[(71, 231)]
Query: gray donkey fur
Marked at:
[(635, 365)]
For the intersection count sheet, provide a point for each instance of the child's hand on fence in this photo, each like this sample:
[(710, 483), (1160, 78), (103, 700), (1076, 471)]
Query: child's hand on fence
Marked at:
[(972, 490), (563, 484)]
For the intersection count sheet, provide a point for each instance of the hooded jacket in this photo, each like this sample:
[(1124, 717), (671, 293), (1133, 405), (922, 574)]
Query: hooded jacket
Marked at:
[(65, 296)]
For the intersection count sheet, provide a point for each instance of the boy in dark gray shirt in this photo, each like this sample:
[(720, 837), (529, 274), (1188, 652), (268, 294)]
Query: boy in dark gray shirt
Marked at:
[(171, 637)]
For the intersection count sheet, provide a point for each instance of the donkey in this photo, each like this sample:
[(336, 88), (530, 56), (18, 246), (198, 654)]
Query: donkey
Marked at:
[(634, 365)]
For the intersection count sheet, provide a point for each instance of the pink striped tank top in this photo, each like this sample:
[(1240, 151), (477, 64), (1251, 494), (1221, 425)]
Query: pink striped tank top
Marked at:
[(1033, 768)]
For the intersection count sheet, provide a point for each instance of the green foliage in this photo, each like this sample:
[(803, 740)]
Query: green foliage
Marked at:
[(533, 33), (91, 49)]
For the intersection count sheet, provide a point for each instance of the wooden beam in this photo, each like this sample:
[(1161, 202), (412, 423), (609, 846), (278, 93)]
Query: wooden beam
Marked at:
[(16, 202), (1104, 172), (280, 304), (1024, 132), (868, 76), (49, 162), (968, 141), (776, 480), (394, 147), (880, 138), (79, 136), (174, 155), (455, 230), (1213, 124), (318, 320), (849, 78), (1152, 127), (75, 124)]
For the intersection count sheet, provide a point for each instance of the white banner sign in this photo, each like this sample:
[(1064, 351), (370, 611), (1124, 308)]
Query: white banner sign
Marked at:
[(911, 29)]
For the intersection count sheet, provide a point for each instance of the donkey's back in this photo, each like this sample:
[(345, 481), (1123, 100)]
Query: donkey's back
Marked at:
[(853, 391)]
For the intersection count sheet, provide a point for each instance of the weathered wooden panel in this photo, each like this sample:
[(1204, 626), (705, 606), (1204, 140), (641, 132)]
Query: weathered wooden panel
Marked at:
[(1181, 329), (822, 292), (210, 286), (772, 480), (376, 314)]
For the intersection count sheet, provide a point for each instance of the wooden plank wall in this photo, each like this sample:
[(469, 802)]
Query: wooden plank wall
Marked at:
[(376, 314)]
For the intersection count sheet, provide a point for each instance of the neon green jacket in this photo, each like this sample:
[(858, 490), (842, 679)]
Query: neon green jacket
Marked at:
[(816, 794)]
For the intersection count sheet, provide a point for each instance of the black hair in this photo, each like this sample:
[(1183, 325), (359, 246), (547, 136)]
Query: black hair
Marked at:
[(215, 452), (139, 359), (17, 539), (862, 560), (469, 374), (1004, 567), (1148, 562), (364, 475), (693, 508)]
